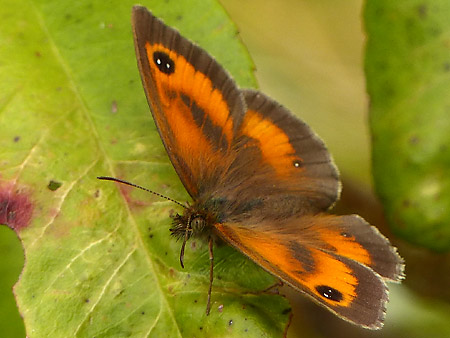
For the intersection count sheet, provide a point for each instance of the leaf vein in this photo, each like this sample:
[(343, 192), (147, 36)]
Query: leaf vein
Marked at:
[(102, 292)]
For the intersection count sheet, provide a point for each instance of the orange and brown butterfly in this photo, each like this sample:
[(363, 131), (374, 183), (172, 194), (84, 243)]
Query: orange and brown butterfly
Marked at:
[(260, 179)]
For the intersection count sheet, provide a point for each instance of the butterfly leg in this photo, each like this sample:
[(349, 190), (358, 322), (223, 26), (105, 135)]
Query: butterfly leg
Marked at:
[(211, 275), (273, 288)]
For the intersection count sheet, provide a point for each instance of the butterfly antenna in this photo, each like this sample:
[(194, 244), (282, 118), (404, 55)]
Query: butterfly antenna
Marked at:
[(107, 178)]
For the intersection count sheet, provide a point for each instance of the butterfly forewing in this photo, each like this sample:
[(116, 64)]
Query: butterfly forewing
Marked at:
[(195, 103)]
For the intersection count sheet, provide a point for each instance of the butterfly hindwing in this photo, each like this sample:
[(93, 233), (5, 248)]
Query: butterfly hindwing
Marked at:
[(195, 103), (337, 260), (352, 237)]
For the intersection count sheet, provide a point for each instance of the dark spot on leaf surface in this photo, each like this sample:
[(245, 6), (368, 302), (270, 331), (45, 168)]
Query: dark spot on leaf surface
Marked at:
[(16, 208), (54, 185), (422, 11), (414, 139), (286, 311), (16, 139), (379, 12)]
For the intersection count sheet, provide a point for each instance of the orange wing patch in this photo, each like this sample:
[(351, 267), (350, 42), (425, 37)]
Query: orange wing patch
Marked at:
[(192, 115), (196, 86), (273, 142), (329, 279), (344, 244)]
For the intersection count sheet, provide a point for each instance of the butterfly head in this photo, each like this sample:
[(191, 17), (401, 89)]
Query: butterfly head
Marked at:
[(196, 221), (193, 222)]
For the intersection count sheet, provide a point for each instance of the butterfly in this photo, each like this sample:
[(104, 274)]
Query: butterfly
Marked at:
[(260, 179)]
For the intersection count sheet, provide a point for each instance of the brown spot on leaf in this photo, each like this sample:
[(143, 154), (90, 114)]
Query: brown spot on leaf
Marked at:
[(16, 208)]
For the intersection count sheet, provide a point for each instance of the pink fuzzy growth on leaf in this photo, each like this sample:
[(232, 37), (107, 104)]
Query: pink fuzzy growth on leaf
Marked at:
[(15, 209)]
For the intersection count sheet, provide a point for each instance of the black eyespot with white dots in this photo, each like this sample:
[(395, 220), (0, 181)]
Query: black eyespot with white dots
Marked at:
[(297, 163), (329, 293), (164, 63)]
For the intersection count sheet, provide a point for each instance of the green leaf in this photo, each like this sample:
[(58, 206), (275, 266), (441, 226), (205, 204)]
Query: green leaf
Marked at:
[(10, 266), (99, 258), (408, 80)]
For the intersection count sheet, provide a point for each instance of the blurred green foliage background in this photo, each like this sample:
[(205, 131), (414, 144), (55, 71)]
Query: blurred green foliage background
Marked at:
[(309, 56)]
